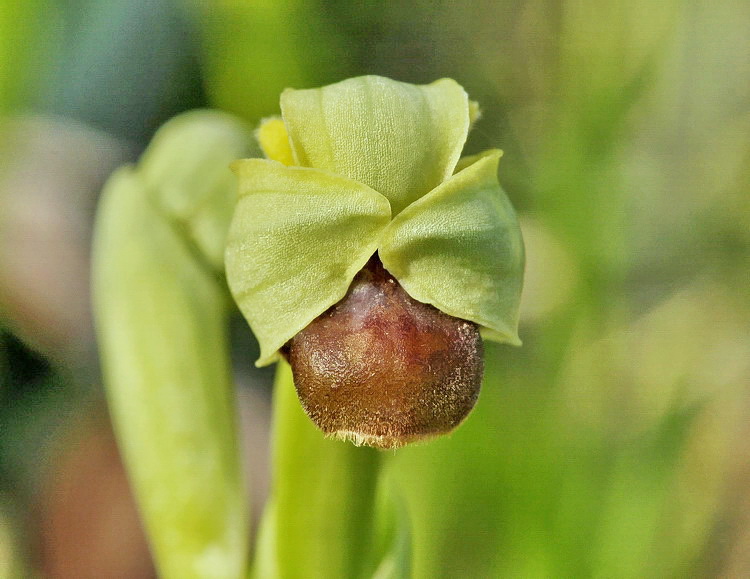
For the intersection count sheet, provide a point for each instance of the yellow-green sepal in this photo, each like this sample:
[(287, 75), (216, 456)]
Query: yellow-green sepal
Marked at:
[(402, 140), (297, 239), (460, 249)]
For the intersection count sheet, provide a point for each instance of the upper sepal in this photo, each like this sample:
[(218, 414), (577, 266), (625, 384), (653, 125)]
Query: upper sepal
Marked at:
[(401, 139)]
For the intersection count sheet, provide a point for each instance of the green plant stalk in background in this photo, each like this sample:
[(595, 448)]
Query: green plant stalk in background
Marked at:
[(161, 309)]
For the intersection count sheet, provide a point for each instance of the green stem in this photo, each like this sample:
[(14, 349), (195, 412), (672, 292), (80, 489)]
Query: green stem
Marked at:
[(320, 521)]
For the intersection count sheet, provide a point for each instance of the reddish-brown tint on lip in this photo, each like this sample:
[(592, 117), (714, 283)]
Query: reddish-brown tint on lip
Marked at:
[(382, 369)]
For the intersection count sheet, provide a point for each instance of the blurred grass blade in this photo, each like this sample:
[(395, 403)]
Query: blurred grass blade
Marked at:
[(161, 319), (319, 523), (393, 538)]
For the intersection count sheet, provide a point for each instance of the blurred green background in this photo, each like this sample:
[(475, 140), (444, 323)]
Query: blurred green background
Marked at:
[(614, 443)]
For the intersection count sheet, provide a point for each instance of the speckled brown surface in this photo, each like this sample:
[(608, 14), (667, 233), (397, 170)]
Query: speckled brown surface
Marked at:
[(383, 369)]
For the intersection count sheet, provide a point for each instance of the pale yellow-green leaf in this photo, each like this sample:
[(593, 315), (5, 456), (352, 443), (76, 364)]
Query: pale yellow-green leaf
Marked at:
[(402, 140), (468, 160), (459, 248), (297, 239), (161, 324)]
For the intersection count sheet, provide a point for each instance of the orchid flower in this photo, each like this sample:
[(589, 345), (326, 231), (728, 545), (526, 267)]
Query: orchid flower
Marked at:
[(364, 186)]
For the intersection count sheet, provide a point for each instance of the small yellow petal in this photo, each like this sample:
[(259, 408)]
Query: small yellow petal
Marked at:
[(274, 140)]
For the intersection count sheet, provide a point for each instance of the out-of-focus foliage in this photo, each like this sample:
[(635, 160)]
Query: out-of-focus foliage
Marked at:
[(604, 447), (22, 54), (614, 442), (251, 51), (161, 319)]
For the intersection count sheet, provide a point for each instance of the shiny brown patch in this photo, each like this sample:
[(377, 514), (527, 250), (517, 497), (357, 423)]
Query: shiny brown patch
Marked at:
[(382, 369)]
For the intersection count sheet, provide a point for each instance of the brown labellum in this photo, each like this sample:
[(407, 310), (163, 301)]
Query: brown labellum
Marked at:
[(382, 369)]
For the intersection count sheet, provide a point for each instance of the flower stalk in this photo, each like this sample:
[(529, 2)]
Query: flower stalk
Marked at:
[(320, 521)]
